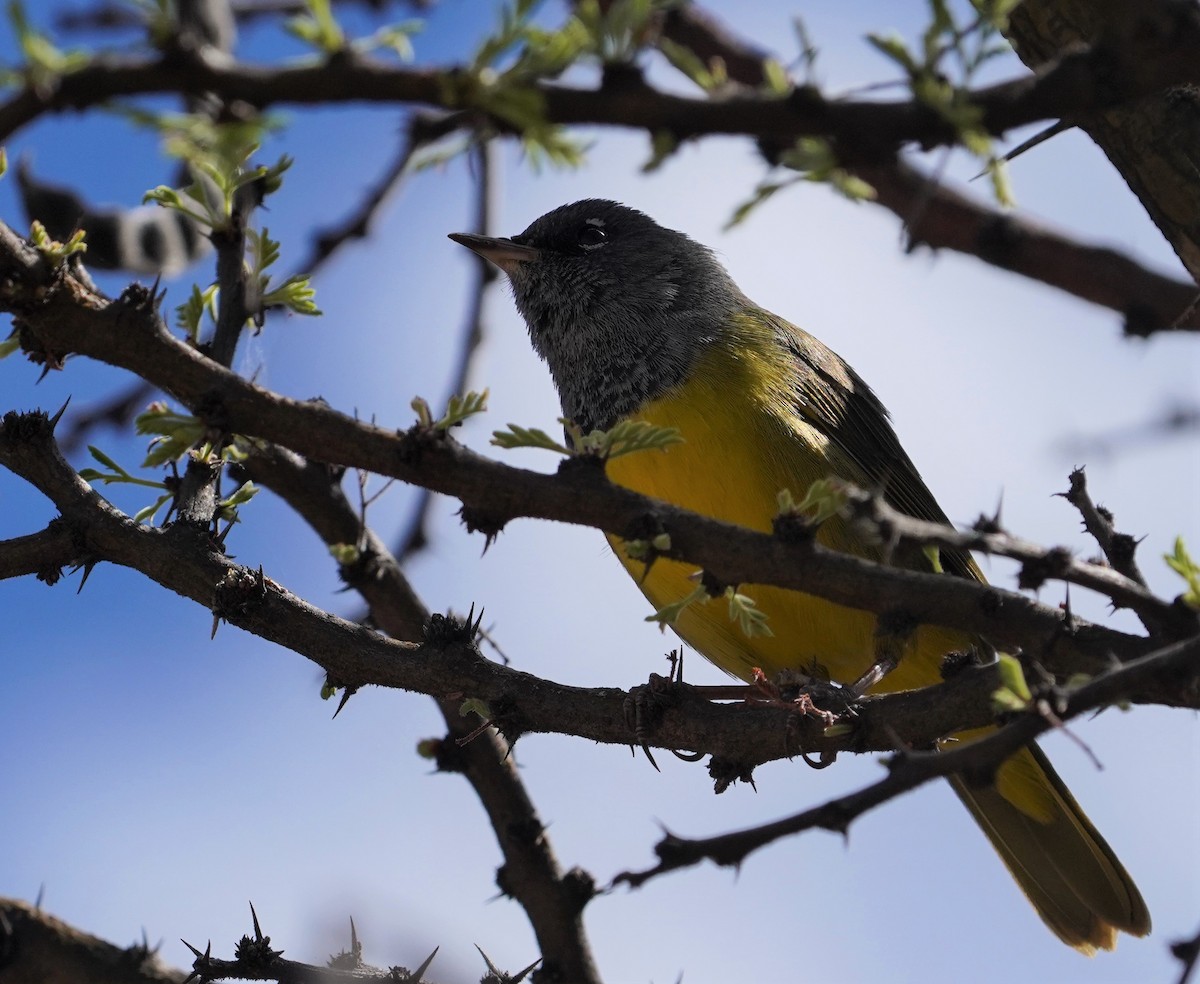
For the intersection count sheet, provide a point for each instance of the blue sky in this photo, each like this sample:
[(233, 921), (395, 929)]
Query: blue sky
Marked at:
[(156, 779)]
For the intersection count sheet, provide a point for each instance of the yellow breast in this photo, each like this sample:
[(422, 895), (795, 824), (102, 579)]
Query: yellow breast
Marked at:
[(744, 441)]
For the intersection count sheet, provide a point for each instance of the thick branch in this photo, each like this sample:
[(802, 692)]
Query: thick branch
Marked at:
[(34, 946), (941, 218), (1082, 82), (44, 554), (1153, 142)]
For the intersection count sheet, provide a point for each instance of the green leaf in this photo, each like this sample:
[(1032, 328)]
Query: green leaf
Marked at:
[(318, 27), (105, 460), (52, 249), (527, 437), (396, 38), (344, 553), (177, 433), (663, 143), (146, 514), (688, 62), (190, 313), (227, 509), (44, 62), (750, 618), (776, 81), (669, 614), (458, 409), (824, 499), (1013, 694), (473, 705), (934, 556), (892, 46), (626, 437), (296, 294), (1181, 562)]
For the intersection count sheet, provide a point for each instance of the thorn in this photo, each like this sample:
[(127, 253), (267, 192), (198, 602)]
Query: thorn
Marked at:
[(37, 903), (216, 624), (417, 974), (492, 968), (650, 757), (1062, 126), (346, 695), (520, 975), (87, 571), (58, 416), (195, 952), (258, 934)]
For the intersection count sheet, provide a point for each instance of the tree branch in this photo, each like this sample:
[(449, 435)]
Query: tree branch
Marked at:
[(939, 217), (447, 665), (58, 315), (34, 946), (42, 554), (552, 900), (1079, 83), (976, 762)]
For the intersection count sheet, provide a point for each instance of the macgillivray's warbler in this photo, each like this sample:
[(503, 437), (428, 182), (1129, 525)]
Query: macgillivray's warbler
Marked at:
[(640, 322)]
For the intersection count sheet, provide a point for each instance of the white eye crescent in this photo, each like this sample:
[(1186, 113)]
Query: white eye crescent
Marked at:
[(592, 234)]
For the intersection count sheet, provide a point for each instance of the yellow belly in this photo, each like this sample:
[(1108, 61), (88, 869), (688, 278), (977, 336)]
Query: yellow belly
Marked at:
[(743, 442)]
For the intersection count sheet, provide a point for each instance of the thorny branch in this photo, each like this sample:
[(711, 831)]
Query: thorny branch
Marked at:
[(976, 761), (66, 317), (1080, 82), (553, 900)]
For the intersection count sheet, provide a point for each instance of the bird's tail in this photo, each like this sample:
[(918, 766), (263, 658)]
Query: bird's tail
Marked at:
[(1059, 859)]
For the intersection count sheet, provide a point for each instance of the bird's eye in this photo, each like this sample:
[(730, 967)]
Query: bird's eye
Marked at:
[(591, 236)]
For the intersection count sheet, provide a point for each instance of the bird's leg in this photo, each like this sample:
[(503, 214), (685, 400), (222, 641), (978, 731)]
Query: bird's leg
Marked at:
[(893, 631), (881, 667)]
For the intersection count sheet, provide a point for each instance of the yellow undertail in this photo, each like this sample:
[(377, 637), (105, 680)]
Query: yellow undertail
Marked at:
[(1059, 859)]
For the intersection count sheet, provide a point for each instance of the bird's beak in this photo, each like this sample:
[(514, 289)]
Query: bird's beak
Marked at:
[(506, 254)]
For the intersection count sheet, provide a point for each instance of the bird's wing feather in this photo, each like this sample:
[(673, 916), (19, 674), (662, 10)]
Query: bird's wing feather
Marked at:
[(833, 398)]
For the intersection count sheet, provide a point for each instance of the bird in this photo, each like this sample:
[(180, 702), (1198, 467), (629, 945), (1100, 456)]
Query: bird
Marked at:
[(637, 322)]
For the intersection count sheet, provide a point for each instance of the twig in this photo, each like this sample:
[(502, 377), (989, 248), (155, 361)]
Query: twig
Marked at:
[(1078, 83), (1038, 564), (948, 219), (416, 537), (911, 769), (107, 17), (1188, 954), (422, 130), (1119, 548)]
